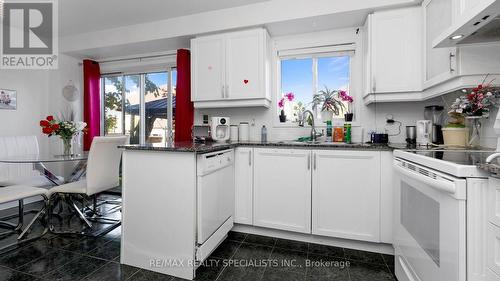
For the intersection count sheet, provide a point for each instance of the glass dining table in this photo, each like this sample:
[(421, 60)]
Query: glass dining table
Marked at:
[(43, 162)]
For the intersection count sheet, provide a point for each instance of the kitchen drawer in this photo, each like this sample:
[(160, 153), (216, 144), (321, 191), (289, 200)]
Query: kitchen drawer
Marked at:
[(494, 201), (493, 249)]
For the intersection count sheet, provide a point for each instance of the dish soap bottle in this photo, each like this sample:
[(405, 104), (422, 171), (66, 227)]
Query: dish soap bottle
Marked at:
[(263, 134)]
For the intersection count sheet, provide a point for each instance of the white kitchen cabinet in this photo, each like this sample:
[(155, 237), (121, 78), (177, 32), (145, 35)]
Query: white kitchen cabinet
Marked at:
[(208, 68), (346, 194), (440, 64), (393, 51), (231, 69), (282, 189), (386, 196), (493, 205), (243, 170), (493, 249)]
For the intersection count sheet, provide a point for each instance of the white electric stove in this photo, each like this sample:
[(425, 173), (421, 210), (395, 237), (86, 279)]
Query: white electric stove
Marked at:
[(437, 233)]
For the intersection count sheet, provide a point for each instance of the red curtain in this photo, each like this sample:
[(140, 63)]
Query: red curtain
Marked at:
[(91, 101), (184, 109)]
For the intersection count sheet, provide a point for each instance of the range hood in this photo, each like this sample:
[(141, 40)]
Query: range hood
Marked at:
[(490, 32), (483, 27)]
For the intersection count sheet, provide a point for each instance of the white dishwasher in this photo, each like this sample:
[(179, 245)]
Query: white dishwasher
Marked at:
[(215, 200)]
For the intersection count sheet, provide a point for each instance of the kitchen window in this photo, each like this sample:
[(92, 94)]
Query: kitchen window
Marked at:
[(306, 72), (140, 105)]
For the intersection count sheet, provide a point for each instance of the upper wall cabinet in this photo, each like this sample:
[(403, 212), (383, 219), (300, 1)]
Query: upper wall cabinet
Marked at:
[(393, 61), (231, 69), (439, 64)]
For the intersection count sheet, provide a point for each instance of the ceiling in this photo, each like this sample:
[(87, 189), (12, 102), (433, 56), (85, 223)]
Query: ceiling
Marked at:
[(78, 16)]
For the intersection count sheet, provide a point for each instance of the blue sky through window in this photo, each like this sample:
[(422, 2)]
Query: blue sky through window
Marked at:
[(297, 77)]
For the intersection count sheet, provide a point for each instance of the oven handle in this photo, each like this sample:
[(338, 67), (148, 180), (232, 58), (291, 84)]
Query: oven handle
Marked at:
[(438, 184)]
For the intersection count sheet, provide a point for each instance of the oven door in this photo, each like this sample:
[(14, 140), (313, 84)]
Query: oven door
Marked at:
[(429, 224)]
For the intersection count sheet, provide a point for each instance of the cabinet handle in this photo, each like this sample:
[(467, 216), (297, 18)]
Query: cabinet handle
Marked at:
[(451, 57), (249, 158), (374, 85), (309, 162), (314, 159), (227, 91), (222, 91)]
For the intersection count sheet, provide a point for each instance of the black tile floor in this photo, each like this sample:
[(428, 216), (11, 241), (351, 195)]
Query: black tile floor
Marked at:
[(240, 257)]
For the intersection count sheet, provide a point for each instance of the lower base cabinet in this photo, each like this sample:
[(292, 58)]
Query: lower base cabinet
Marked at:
[(282, 189), (346, 194), (243, 185)]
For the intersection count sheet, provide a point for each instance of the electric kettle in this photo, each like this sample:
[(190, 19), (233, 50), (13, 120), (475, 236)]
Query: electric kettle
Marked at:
[(424, 132)]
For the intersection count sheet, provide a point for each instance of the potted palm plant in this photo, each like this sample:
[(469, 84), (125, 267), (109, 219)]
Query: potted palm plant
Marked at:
[(330, 102)]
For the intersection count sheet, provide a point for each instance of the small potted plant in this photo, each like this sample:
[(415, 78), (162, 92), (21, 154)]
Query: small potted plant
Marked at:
[(330, 101), (281, 104), (472, 107), (345, 97), (455, 133)]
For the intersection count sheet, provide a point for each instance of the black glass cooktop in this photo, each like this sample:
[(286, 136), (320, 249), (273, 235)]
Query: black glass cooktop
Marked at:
[(460, 157)]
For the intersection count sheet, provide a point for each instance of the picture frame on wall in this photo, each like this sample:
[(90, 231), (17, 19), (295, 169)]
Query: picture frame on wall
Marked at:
[(8, 99)]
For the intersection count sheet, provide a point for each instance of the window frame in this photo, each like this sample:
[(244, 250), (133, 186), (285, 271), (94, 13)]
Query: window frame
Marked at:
[(313, 53), (142, 104)]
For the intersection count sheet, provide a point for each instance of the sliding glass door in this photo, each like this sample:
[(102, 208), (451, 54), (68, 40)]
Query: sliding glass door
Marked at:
[(140, 105)]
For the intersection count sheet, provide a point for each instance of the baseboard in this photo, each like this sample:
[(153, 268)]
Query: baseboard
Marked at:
[(310, 238)]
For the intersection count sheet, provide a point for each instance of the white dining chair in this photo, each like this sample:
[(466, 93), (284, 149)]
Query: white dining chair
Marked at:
[(103, 168), (19, 193), (20, 174)]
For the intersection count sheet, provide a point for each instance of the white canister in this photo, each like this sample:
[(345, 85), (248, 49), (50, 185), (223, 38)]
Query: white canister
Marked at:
[(234, 133), (244, 131)]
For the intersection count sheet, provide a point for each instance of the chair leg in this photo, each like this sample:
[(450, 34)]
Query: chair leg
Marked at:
[(80, 214), (35, 218), (20, 239)]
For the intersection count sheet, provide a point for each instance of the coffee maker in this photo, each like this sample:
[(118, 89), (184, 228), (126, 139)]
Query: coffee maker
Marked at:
[(434, 113), (220, 129)]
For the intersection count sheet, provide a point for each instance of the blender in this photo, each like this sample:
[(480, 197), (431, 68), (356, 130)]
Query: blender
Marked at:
[(434, 113)]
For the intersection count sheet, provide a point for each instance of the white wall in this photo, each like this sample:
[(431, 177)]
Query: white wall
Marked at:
[(32, 103), (39, 93)]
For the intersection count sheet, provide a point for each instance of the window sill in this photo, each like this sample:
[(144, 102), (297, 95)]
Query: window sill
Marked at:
[(291, 125)]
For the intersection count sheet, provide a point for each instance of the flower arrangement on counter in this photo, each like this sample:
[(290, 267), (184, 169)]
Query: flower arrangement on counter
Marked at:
[(281, 104), (66, 130), (476, 103), (466, 112)]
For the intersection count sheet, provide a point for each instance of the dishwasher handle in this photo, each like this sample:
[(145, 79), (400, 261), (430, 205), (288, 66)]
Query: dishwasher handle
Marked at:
[(210, 162)]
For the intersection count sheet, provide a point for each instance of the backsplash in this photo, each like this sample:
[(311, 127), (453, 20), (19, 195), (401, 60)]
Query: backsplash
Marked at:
[(370, 118)]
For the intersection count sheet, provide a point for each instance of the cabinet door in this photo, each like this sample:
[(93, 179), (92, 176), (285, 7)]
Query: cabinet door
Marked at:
[(439, 63), (243, 185), (493, 249), (346, 194), (245, 64), (493, 205), (396, 50), (282, 189), (208, 68)]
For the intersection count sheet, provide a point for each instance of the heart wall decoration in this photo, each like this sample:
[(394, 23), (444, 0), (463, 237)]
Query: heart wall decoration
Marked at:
[(245, 81)]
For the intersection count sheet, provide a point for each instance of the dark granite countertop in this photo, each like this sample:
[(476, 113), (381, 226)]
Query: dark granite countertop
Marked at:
[(213, 146)]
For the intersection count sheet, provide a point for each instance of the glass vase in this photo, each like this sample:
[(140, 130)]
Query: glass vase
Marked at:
[(473, 124), (67, 144)]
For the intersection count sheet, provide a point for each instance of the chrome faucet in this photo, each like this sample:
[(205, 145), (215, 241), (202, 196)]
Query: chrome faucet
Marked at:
[(302, 121)]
